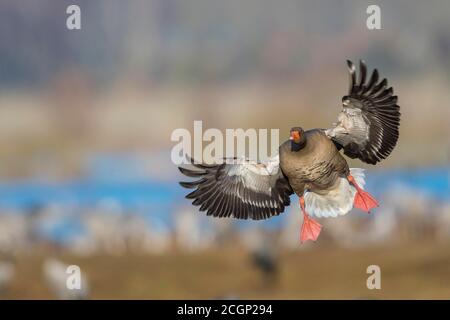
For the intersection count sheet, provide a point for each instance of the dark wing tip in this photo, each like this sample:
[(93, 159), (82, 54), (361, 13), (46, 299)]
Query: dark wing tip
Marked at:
[(187, 185), (352, 79), (362, 76), (192, 184), (191, 173), (351, 67)]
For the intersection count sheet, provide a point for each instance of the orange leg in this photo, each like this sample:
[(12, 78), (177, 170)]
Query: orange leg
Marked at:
[(310, 228), (363, 200)]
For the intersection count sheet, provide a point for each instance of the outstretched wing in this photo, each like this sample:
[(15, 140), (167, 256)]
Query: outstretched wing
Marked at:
[(239, 188), (367, 127)]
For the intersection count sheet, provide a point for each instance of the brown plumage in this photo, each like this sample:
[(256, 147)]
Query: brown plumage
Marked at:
[(309, 164), (315, 166)]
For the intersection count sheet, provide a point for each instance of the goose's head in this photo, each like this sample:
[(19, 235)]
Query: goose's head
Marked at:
[(298, 138)]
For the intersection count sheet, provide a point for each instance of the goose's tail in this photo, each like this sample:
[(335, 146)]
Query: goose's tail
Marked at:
[(341, 198)]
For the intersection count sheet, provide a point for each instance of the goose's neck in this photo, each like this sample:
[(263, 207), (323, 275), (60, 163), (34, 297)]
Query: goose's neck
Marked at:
[(297, 146)]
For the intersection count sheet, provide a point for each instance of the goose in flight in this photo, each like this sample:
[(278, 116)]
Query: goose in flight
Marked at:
[(310, 164)]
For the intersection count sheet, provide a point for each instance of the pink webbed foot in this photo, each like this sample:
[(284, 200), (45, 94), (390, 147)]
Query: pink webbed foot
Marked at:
[(363, 199), (310, 228)]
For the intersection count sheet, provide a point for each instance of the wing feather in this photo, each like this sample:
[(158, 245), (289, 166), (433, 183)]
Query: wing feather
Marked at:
[(368, 126), (241, 189)]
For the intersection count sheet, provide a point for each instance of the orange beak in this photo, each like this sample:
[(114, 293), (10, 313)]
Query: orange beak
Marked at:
[(295, 135)]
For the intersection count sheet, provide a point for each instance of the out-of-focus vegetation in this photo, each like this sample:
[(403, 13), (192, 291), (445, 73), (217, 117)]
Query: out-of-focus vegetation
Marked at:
[(415, 271)]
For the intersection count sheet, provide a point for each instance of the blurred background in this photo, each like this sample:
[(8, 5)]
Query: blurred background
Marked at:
[(85, 123)]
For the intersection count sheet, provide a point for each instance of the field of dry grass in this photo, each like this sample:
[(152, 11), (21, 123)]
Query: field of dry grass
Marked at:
[(419, 271)]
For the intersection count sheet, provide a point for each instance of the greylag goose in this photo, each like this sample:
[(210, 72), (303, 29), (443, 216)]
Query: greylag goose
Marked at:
[(309, 164)]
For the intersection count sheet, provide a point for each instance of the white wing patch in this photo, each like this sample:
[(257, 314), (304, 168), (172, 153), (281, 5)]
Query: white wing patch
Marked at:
[(350, 127), (259, 177)]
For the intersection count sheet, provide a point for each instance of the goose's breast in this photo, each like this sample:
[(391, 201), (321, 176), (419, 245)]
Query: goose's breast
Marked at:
[(316, 166)]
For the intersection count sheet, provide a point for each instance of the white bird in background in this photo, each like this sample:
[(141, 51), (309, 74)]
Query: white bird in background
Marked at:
[(56, 276)]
